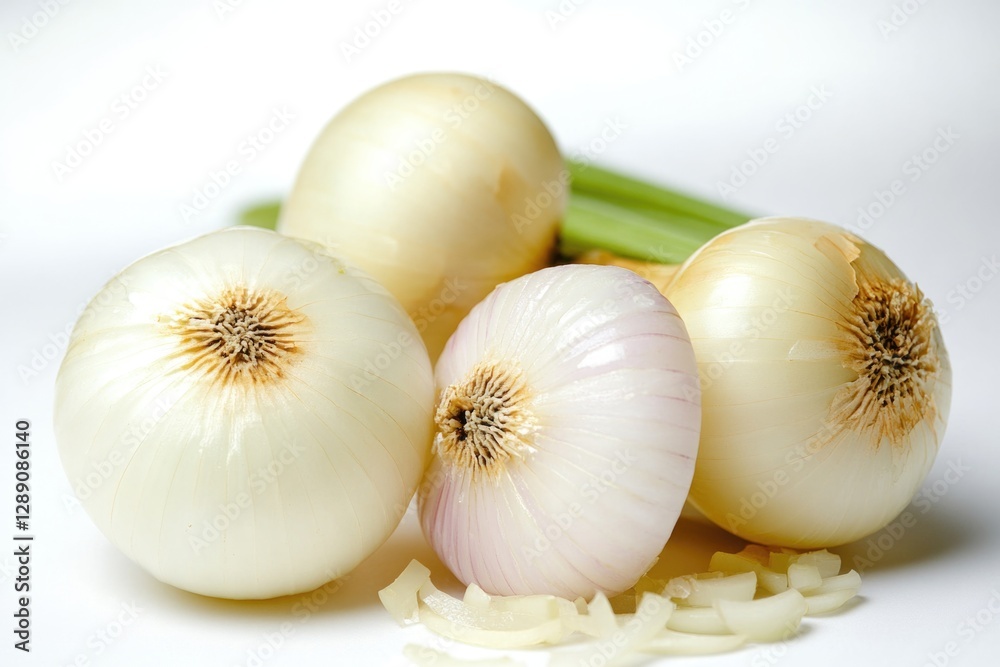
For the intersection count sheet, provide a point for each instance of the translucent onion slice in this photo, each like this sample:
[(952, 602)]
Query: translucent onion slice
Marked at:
[(718, 611), (597, 619), (827, 602), (769, 580), (699, 591), (651, 617), (698, 620), (471, 628), (803, 577), (827, 563), (849, 580), (766, 619), (400, 597)]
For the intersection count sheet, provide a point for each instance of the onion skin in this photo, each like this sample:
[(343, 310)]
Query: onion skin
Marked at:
[(215, 415), (440, 186), (568, 419), (826, 384)]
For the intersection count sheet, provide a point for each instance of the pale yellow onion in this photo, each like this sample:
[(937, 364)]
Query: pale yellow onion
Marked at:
[(440, 186), (243, 415), (826, 384)]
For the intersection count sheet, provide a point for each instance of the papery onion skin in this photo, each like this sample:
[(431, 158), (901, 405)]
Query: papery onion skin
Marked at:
[(598, 395), (225, 416), (826, 383), (440, 186)]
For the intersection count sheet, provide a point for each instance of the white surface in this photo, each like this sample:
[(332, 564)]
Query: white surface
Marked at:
[(223, 77)]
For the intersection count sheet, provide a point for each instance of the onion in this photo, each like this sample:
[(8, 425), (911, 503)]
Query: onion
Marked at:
[(730, 617), (440, 186), (225, 417), (826, 384), (567, 424)]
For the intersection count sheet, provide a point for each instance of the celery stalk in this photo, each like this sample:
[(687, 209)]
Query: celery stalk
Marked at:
[(632, 218)]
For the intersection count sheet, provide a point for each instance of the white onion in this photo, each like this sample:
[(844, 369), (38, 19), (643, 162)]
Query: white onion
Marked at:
[(567, 426), (440, 186), (243, 415), (826, 384)]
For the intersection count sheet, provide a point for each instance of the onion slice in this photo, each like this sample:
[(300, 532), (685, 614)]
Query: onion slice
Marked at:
[(400, 597), (718, 610), (766, 619)]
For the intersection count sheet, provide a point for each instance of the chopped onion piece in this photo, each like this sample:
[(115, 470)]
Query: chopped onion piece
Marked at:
[(766, 619), (400, 597), (476, 597), (424, 656), (718, 612), (780, 560), (698, 620), (848, 580), (600, 610), (771, 581), (651, 616), (670, 642), (802, 576), (491, 629), (829, 601), (703, 592), (827, 563)]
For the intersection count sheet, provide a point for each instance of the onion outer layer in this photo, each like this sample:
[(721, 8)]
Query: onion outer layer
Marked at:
[(225, 416), (567, 412), (440, 186)]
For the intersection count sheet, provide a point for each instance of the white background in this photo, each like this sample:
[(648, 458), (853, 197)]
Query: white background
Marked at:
[(895, 74)]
